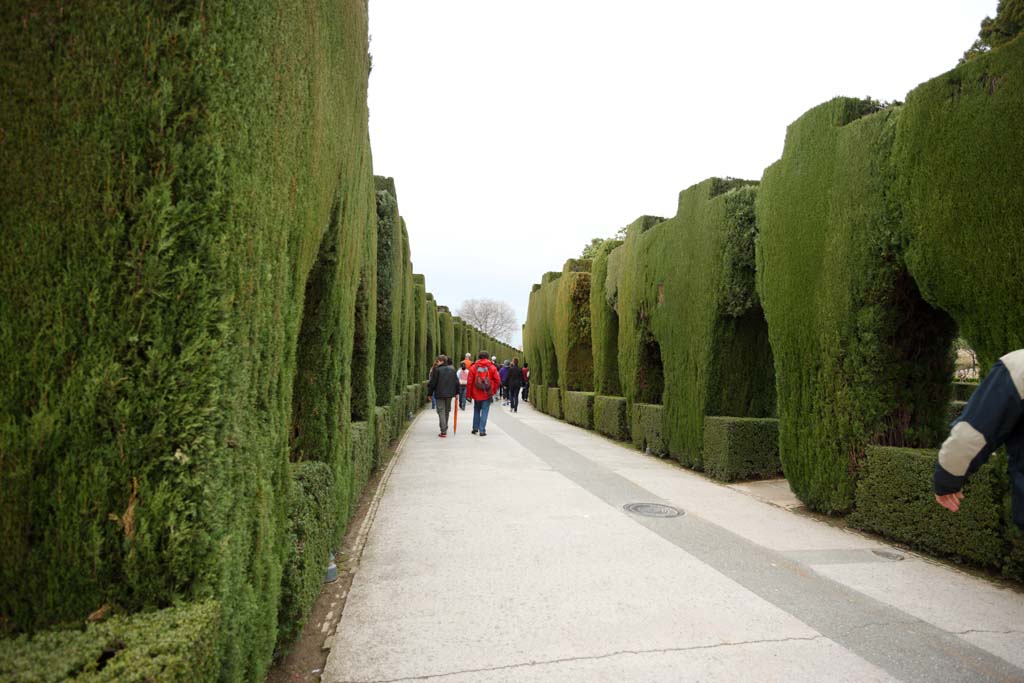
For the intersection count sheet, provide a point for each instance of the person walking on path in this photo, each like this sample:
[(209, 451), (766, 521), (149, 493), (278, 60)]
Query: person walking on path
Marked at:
[(483, 384), (526, 382), (514, 382), (503, 374), (463, 375), (467, 361), (443, 387), (994, 416), (430, 376)]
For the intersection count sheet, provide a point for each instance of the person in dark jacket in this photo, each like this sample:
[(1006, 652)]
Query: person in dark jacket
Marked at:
[(994, 416), (514, 382), (503, 374), (483, 384), (443, 386), (526, 381)]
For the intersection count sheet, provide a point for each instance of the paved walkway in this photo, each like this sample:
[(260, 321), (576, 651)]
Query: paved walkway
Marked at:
[(511, 558)]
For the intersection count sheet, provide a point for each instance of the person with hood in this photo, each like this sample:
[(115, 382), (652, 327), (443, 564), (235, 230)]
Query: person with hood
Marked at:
[(514, 382), (503, 374), (993, 417), (442, 387), (483, 383)]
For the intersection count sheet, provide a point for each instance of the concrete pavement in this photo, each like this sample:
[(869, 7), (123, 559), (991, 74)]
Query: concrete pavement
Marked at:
[(511, 558)]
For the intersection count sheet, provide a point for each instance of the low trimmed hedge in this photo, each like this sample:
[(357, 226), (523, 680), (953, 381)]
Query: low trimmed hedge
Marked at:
[(362, 442), (553, 404), (175, 644), (309, 544), (610, 417), (398, 413), (579, 408), (962, 391), (382, 431), (956, 408), (739, 448), (895, 499), (645, 428)]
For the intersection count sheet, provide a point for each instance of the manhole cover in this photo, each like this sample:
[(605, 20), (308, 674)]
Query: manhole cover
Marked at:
[(888, 555), (652, 509)]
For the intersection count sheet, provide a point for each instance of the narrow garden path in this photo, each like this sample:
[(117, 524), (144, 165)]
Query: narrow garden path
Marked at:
[(513, 558)]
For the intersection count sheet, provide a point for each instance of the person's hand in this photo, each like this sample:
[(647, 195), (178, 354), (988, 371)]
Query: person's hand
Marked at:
[(950, 501)]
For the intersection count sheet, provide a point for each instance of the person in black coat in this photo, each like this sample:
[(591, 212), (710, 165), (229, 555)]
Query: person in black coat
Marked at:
[(514, 382), (443, 386)]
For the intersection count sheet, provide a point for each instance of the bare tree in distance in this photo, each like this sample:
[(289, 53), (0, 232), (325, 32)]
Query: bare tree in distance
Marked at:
[(493, 318)]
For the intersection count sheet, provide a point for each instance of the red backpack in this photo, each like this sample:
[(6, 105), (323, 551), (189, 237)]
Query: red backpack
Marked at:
[(482, 381)]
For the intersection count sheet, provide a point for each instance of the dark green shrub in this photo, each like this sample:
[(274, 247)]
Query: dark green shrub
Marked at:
[(174, 644), (956, 408), (383, 429), (579, 408), (962, 391), (553, 402), (646, 427), (894, 498), (362, 439), (610, 417), (604, 325), (860, 356), (162, 216), (740, 448), (962, 130), (308, 546)]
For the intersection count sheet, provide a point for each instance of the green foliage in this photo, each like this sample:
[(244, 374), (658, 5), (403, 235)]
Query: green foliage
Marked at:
[(579, 408), (691, 333), (553, 402), (860, 356), (604, 324), (171, 645), (646, 428), (1007, 24), (390, 293), (161, 222), (962, 391), (308, 543), (958, 157), (894, 498), (740, 448), (384, 427), (610, 417)]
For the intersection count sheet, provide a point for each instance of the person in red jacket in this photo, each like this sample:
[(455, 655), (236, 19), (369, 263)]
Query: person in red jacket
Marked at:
[(483, 383)]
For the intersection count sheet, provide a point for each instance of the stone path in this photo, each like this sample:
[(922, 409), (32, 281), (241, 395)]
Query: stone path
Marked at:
[(511, 558)]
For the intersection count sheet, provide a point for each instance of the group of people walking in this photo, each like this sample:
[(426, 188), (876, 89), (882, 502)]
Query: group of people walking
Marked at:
[(480, 382)]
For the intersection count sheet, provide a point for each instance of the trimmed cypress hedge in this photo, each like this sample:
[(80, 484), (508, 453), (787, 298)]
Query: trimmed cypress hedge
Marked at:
[(739, 448), (579, 408), (860, 356), (161, 224), (610, 417), (604, 325), (168, 646), (646, 428), (309, 543), (958, 159), (894, 498), (962, 391), (553, 402)]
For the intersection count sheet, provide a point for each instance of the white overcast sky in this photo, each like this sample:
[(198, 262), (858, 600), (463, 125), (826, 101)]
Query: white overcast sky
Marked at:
[(521, 130)]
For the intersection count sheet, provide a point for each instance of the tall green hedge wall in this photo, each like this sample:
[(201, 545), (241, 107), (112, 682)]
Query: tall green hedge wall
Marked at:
[(827, 295), (199, 270)]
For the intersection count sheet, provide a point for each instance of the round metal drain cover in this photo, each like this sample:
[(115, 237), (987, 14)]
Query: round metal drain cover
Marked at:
[(888, 555), (652, 509)]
